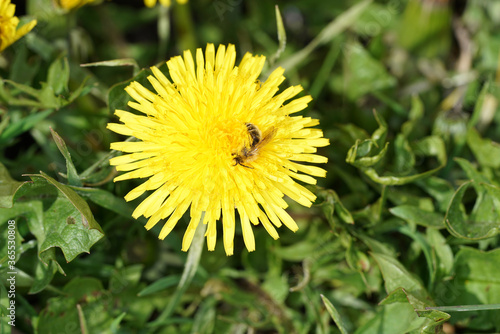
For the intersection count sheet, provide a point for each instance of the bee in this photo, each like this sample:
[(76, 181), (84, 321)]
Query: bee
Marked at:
[(249, 154)]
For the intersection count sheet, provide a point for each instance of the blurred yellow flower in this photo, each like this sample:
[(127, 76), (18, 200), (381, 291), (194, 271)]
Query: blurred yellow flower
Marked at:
[(73, 4), (216, 140), (8, 25), (166, 3)]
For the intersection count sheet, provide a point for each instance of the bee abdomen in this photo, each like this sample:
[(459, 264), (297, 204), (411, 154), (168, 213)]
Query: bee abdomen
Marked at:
[(254, 133)]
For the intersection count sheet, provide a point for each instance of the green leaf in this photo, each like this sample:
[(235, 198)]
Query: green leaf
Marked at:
[(416, 113), (362, 73), (328, 206), (486, 151), (333, 29), (48, 98), (275, 284), (397, 276), (313, 245), (397, 180), (335, 315), (39, 45), (432, 37), (391, 103), (376, 13), (331, 203), (8, 187), (45, 98), (472, 173), (434, 318), (394, 318), (124, 276), (281, 36), (23, 279), (325, 71), (63, 219), (441, 252), (404, 159), (58, 75), (376, 246), (416, 215), (494, 192), (478, 108), (9, 258), (85, 299), (23, 88), (81, 90), (25, 124), (425, 247), (440, 189), (205, 319), (356, 155), (115, 325), (373, 212), (351, 132), (401, 196), (298, 251), (190, 268), (73, 177), (483, 220), (115, 62), (368, 152), (61, 313), (476, 281), (24, 69), (429, 146), (5, 327), (160, 285), (43, 276), (356, 259), (107, 200)]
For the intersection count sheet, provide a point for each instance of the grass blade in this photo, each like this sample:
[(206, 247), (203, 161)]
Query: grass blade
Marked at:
[(335, 315)]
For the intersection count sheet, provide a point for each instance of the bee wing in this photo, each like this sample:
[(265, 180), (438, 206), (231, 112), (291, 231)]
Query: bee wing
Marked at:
[(268, 135), (266, 138)]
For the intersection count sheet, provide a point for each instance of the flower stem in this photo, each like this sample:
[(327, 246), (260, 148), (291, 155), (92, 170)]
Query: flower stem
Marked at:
[(163, 31), (465, 308), (184, 27), (104, 161), (192, 262)]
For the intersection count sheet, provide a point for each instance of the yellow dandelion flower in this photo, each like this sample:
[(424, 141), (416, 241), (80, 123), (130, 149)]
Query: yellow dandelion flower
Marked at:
[(216, 140), (165, 3), (73, 4), (8, 25)]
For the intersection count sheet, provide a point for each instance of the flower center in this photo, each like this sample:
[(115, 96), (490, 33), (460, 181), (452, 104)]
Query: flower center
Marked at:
[(225, 137)]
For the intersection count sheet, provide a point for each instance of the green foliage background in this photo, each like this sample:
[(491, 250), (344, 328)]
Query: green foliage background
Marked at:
[(406, 220)]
